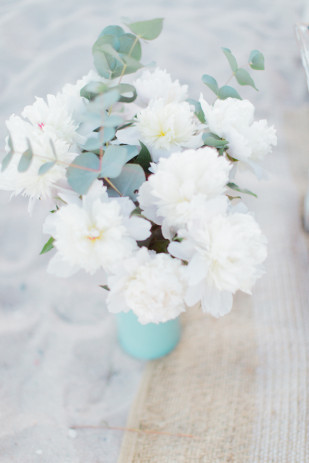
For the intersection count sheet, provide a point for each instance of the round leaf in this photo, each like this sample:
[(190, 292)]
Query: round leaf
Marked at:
[(83, 171), (243, 78), (228, 92), (147, 30), (256, 60)]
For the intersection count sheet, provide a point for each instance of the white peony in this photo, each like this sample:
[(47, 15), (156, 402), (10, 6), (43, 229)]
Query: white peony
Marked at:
[(149, 284), (70, 94), (163, 128), (30, 183), (233, 119), (54, 118), (182, 186), (224, 255), (159, 84), (93, 233)]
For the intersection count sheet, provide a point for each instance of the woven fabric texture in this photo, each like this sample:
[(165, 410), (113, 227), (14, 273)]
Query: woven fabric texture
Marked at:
[(235, 390)]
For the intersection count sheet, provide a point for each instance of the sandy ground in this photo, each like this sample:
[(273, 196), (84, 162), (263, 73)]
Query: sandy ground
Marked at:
[(60, 364)]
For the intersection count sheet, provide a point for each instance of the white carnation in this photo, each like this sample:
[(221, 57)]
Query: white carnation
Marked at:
[(182, 185), (224, 255), (163, 128), (149, 284), (233, 119), (159, 84), (94, 233), (30, 183)]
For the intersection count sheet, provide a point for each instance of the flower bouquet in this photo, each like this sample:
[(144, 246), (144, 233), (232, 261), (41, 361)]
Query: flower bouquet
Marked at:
[(143, 178)]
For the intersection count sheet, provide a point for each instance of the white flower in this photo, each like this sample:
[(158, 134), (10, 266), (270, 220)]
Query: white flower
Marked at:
[(70, 94), (163, 128), (159, 84), (54, 118), (182, 185), (94, 233), (233, 120), (149, 284), (30, 183), (224, 255)]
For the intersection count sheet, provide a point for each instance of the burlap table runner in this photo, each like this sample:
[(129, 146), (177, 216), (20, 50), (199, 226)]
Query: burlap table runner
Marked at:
[(236, 389)]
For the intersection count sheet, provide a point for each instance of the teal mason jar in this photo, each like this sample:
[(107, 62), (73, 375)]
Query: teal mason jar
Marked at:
[(148, 341)]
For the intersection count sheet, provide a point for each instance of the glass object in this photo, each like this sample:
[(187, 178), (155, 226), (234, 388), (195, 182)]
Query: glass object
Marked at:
[(148, 341)]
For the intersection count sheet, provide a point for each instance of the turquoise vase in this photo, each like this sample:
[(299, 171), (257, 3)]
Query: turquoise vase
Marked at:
[(148, 341)]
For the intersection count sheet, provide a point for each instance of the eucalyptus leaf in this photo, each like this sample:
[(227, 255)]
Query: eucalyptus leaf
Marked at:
[(112, 121), (147, 30), (46, 167), (235, 187), (130, 179), (231, 59), (228, 92), (127, 93), (93, 89), (114, 158), (48, 246), (243, 78), (104, 101), (25, 159), (83, 171), (256, 60), (132, 151), (112, 30), (130, 45), (211, 83), (6, 160), (132, 65), (97, 139), (197, 110), (210, 139), (53, 148), (10, 142)]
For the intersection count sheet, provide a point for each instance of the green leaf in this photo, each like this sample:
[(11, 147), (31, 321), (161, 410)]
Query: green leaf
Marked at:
[(132, 65), (104, 101), (114, 158), (106, 287), (235, 187), (130, 179), (46, 167), (228, 92), (105, 55), (197, 110), (243, 78), (25, 159), (147, 30), (144, 158), (128, 90), (130, 45), (112, 121), (231, 59), (211, 83), (6, 160), (210, 139), (53, 148), (10, 142), (83, 171), (97, 139), (256, 60), (93, 89), (48, 246), (112, 30)]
